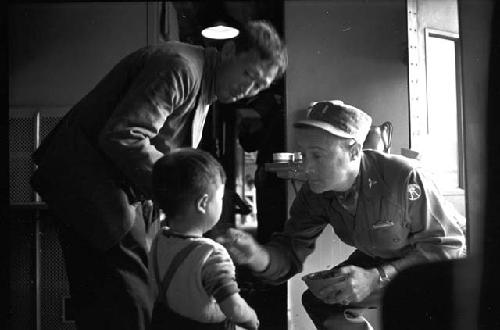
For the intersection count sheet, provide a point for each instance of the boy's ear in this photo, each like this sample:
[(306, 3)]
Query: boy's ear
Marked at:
[(228, 50), (201, 204)]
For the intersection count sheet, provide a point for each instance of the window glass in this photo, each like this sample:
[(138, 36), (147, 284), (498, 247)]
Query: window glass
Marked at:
[(441, 153)]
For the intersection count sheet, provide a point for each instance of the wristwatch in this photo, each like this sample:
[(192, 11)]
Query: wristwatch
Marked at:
[(383, 278)]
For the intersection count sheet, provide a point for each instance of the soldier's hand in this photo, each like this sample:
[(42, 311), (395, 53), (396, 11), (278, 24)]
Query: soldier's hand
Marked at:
[(357, 285), (244, 249)]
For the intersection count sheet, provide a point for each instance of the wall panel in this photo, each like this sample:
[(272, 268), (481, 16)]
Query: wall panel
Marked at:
[(354, 51)]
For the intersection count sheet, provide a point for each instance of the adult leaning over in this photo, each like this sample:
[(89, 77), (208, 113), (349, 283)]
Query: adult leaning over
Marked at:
[(383, 205), (94, 168)]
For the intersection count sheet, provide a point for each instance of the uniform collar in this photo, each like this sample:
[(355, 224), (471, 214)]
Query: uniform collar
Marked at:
[(371, 181), (332, 193)]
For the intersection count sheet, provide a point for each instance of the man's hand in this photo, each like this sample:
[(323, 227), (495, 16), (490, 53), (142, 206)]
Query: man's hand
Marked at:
[(244, 249), (357, 285)]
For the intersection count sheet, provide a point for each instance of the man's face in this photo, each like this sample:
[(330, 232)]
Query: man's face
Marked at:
[(327, 163), (243, 75)]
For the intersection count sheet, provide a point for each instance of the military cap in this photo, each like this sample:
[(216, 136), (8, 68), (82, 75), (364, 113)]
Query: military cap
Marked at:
[(337, 118)]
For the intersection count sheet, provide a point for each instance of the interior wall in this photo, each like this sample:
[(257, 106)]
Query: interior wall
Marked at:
[(354, 51), (475, 21), (349, 50), (59, 51)]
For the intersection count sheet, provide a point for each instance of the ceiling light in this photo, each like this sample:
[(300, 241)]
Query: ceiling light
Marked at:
[(220, 31)]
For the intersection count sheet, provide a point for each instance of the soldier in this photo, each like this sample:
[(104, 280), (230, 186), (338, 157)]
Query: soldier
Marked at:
[(383, 205)]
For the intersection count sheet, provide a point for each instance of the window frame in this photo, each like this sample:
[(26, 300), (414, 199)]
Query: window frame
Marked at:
[(436, 33)]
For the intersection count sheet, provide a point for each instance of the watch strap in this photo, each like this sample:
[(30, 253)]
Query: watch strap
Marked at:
[(383, 277)]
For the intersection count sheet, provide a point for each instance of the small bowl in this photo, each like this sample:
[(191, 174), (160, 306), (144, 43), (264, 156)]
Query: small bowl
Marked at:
[(319, 280)]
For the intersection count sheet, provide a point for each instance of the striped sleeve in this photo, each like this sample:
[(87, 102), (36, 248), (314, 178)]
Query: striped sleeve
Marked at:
[(218, 275)]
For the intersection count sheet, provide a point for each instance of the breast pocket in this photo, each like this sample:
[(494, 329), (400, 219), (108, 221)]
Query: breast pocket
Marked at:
[(388, 230)]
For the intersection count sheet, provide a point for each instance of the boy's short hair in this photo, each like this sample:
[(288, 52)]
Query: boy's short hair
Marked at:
[(182, 176), (262, 36)]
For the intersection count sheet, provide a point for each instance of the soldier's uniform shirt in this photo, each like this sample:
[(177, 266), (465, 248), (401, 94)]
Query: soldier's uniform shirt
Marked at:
[(398, 216)]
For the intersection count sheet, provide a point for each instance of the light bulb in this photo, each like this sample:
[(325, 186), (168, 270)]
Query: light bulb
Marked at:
[(220, 32)]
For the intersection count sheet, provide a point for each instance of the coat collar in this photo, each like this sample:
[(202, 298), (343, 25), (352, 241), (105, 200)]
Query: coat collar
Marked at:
[(208, 78)]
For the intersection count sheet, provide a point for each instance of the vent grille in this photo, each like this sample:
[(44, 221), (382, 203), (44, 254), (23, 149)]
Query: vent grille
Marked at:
[(53, 281), (21, 270), (22, 144), (21, 133)]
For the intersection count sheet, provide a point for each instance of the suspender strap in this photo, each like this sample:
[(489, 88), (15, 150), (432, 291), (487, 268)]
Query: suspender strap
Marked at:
[(154, 250), (174, 265)]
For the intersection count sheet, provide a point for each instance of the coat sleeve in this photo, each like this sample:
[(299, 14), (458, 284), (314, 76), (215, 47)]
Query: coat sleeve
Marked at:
[(435, 226), (289, 249), (159, 89)]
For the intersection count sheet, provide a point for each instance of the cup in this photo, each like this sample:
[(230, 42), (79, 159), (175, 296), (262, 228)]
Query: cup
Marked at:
[(319, 280)]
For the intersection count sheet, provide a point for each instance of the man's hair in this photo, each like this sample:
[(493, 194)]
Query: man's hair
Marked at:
[(261, 36), (182, 176)]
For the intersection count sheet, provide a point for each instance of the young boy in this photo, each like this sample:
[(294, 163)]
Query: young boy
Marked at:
[(193, 277)]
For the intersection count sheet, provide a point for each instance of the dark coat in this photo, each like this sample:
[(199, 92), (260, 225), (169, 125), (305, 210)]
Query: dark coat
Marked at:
[(94, 168)]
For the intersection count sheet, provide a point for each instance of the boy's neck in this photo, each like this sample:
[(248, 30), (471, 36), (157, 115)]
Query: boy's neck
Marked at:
[(187, 233), (185, 227)]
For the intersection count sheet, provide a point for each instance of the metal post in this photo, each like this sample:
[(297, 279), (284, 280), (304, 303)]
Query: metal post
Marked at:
[(37, 234)]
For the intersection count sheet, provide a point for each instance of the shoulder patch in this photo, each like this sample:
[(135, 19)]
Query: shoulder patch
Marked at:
[(414, 191)]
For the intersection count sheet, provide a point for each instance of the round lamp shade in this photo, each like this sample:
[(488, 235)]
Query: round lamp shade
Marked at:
[(220, 32)]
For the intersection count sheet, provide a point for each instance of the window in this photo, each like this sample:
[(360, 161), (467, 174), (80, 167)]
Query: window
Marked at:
[(436, 110), (442, 152)]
